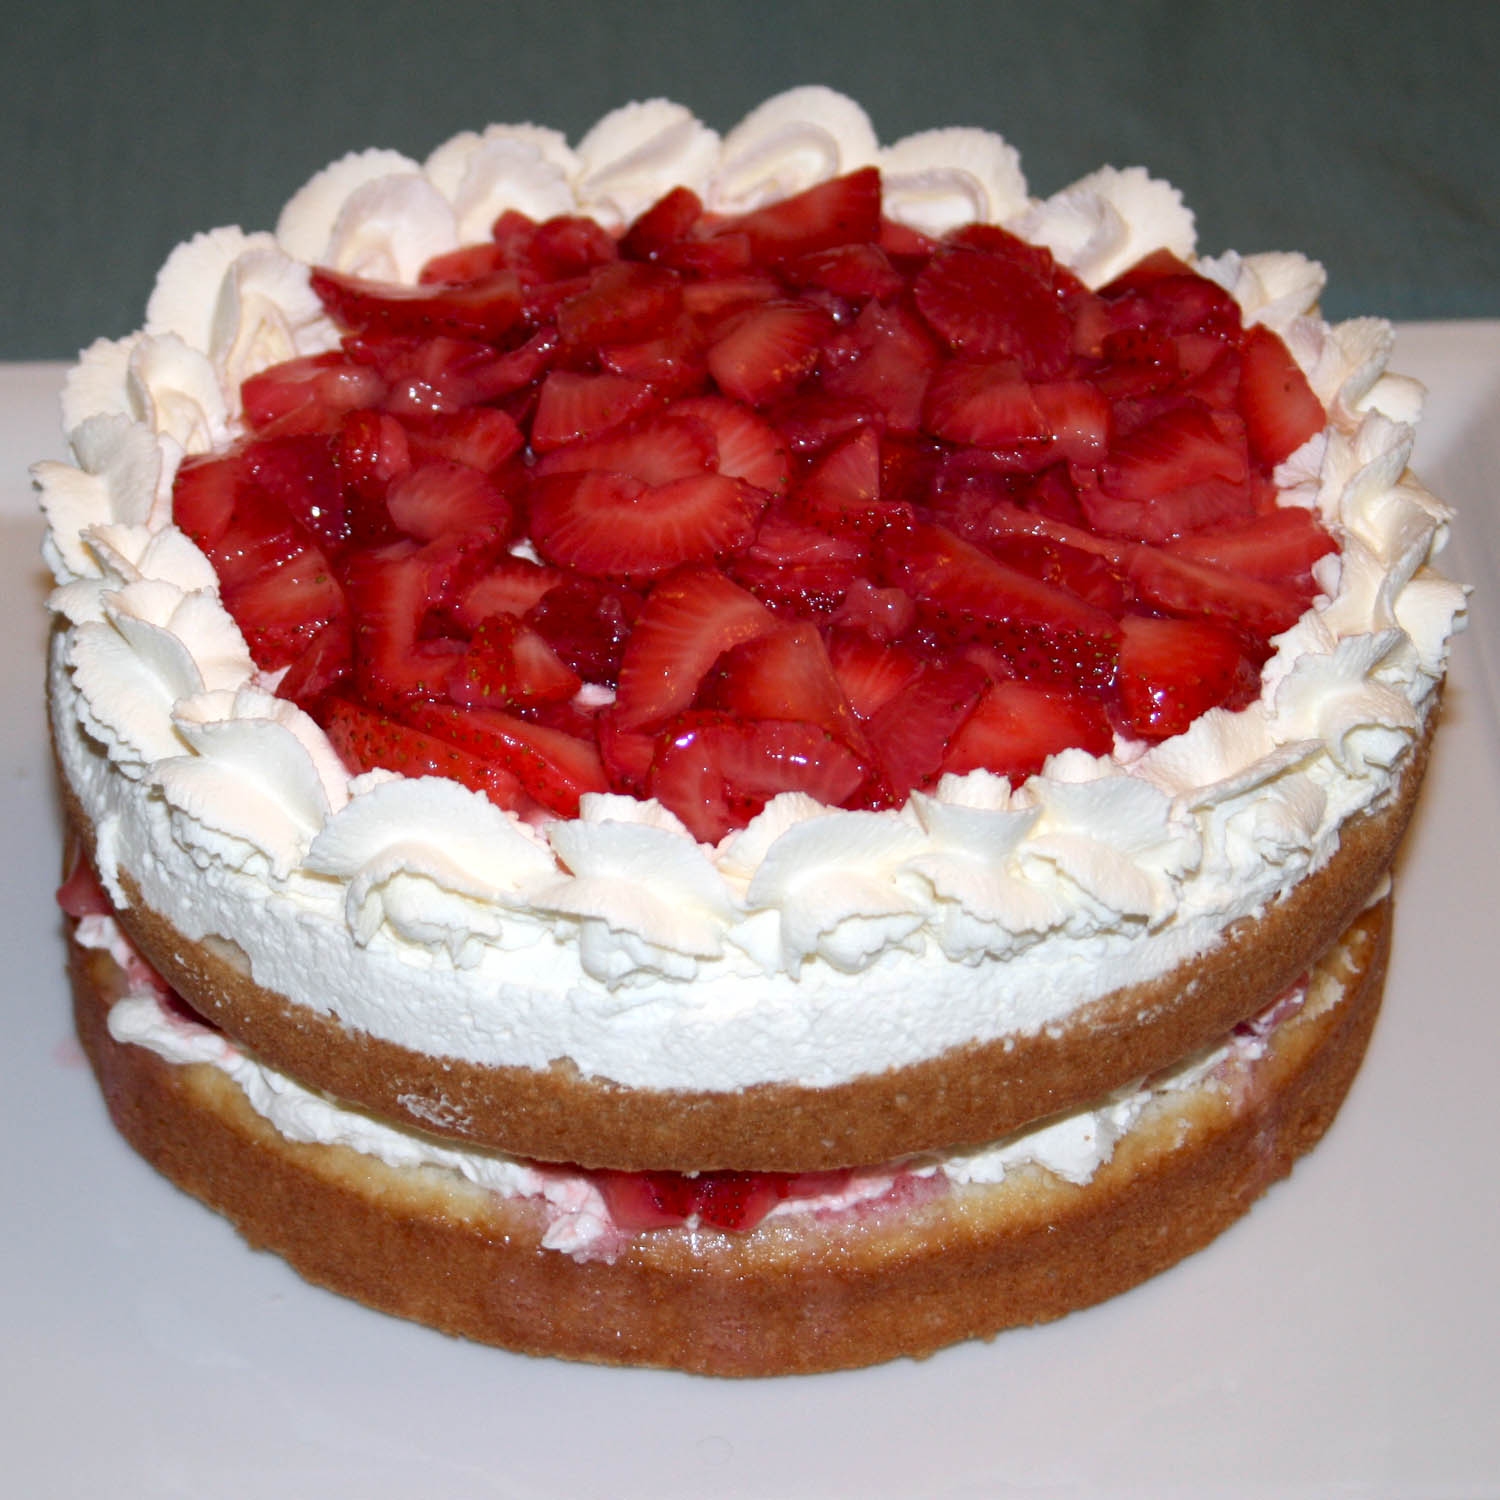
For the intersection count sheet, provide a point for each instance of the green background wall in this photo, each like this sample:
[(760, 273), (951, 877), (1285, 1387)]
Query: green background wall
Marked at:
[(1365, 134)]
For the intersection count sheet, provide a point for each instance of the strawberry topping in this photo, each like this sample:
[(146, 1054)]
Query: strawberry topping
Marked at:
[(796, 500)]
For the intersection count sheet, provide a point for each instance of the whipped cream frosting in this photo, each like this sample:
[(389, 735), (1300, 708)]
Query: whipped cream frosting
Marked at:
[(576, 1213), (816, 944)]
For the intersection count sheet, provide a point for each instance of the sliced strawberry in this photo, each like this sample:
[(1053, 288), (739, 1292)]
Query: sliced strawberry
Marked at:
[(1077, 415), (508, 663), (1202, 505), (466, 264), (609, 525), (427, 378), (482, 437), (842, 211), (367, 741), (321, 666), (987, 404), (587, 623), (913, 729), (784, 675), (716, 771), (205, 493), (1280, 410), (812, 418), (1085, 574), (573, 406), (1183, 446), (669, 219), (626, 753), (569, 245), (282, 610), (869, 673), (909, 467), (473, 309), (748, 447), (81, 894), (990, 305), (639, 1201), (301, 474), (799, 568), (510, 586), (768, 349), (721, 295), (841, 492), (555, 768), (737, 1201), (892, 356), (1137, 362), (903, 244), (391, 591), (718, 257), (1171, 671), (309, 394), (1279, 547), (672, 362), (1185, 587), (623, 303), (853, 271), (1164, 293), (440, 497), (656, 449), (261, 538), (1046, 634), (1016, 725), (372, 450), (690, 618)]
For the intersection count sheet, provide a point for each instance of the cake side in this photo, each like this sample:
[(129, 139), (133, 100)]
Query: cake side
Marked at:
[(799, 1294)]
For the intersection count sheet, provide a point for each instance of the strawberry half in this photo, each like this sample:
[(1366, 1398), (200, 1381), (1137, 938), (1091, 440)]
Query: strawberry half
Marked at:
[(690, 618), (510, 664), (842, 211), (768, 349), (608, 525), (1280, 410), (367, 741), (571, 405), (996, 303), (309, 394), (784, 675), (1171, 671), (716, 772), (1045, 633), (555, 768), (485, 308), (1015, 726)]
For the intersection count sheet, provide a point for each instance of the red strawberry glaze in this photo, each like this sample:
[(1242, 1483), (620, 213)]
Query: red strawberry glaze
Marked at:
[(821, 503)]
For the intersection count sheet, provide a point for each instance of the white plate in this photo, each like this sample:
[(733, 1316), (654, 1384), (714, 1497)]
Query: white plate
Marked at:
[(1341, 1340)]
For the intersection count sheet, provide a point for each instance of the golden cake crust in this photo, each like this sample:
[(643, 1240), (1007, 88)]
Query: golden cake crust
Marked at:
[(798, 1294), (970, 1094)]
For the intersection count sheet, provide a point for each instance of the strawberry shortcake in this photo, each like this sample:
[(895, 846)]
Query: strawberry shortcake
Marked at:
[(751, 753)]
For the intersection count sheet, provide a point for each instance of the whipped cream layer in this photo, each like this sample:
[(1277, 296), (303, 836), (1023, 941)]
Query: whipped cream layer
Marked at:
[(816, 944), (578, 1222)]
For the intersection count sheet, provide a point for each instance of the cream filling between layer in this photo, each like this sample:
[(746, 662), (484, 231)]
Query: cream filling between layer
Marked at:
[(1072, 1147)]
